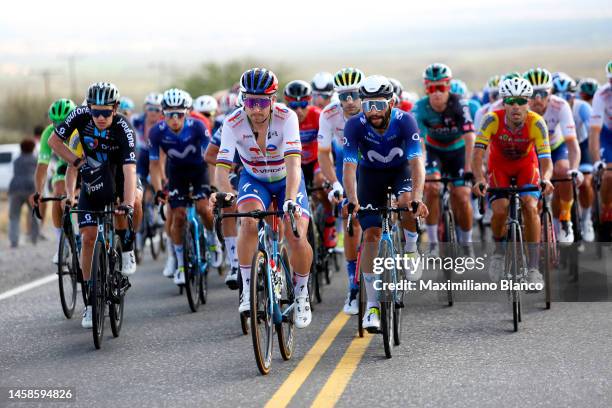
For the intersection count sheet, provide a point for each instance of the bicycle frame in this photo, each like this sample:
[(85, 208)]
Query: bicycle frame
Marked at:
[(193, 219)]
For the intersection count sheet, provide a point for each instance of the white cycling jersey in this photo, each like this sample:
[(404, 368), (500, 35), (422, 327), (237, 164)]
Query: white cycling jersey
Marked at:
[(560, 121), (283, 140), (602, 107), (484, 109), (331, 125), (582, 113)]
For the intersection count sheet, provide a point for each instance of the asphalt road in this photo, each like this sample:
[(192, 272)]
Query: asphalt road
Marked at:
[(466, 355)]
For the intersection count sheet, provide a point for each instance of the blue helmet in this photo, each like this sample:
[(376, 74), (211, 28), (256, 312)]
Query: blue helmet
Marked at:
[(126, 104), (258, 81), (563, 83), (458, 87)]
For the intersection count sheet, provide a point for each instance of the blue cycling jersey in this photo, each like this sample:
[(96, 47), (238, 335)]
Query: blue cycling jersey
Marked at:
[(185, 147), (364, 145)]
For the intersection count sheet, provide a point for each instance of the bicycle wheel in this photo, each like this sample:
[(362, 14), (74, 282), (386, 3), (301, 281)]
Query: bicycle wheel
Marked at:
[(451, 251), (67, 275), (315, 267), (116, 306), (244, 324), (362, 304), (398, 295), (514, 273), (98, 292), (203, 269), (387, 304), (285, 330), (191, 264), (548, 235), (262, 328)]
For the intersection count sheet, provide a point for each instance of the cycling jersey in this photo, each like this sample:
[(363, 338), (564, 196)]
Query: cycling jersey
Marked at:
[(45, 154), (399, 143), (582, 114), (142, 139), (444, 130), (484, 109), (331, 125), (602, 107), (283, 140), (474, 106), (203, 119), (182, 148), (559, 120), (309, 129), (506, 145), (115, 145)]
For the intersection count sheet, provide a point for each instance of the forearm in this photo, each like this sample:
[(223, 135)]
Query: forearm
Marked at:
[(327, 166), (477, 158), (573, 151), (222, 179), (129, 184), (469, 149), (40, 175), (546, 165), (294, 177), (156, 177), (71, 177), (594, 143), (350, 181), (61, 149), (417, 170)]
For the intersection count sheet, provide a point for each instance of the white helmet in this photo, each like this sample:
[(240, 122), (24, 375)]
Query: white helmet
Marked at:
[(228, 102), (188, 100), (376, 86), (154, 99), (323, 82), (205, 104), (515, 87), (175, 99)]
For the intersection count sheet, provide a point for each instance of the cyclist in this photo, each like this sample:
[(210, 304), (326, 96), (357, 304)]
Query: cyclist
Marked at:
[(107, 140), (183, 139), (322, 89), (267, 138), (587, 88), (331, 131), (565, 87), (565, 151), (518, 139), (446, 125), (143, 124), (600, 147), (57, 114), (207, 106), (458, 87), (298, 96), (386, 145), (126, 107), (492, 90)]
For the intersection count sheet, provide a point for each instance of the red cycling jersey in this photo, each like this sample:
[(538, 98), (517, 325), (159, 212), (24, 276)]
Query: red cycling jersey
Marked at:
[(309, 129), (204, 119)]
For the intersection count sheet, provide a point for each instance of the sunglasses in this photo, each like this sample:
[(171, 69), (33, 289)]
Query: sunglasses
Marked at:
[(542, 93), (377, 105), (322, 95), (262, 103), (437, 88), (345, 95), (298, 104), (153, 109), (105, 113), (519, 100), (174, 114)]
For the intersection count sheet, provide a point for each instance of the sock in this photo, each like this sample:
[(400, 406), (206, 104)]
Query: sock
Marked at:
[(534, 255), (58, 232), (371, 293), (301, 285), (586, 214), (411, 240), (245, 272), (432, 233), (565, 213), (372, 304), (351, 267), (230, 248), (465, 237), (178, 251)]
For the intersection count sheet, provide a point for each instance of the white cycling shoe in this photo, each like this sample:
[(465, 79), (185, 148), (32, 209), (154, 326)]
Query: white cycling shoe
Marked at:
[(128, 265), (245, 301), (566, 233), (351, 304), (87, 322), (534, 277), (170, 267), (302, 315), (231, 279), (588, 233), (371, 320), (179, 276), (56, 258)]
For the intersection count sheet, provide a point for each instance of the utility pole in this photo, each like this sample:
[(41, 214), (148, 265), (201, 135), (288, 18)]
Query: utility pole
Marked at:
[(72, 75), (46, 75)]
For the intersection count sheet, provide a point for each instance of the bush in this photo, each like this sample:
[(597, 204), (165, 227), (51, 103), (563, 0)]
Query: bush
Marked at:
[(20, 112)]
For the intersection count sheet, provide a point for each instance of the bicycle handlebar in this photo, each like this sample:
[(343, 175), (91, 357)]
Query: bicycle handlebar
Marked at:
[(257, 214), (36, 209), (351, 207)]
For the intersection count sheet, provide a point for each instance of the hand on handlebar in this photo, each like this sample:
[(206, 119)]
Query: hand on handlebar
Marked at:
[(577, 174), (480, 188), (160, 197), (222, 200), (335, 195), (546, 186), (419, 208), (290, 206), (124, 209)]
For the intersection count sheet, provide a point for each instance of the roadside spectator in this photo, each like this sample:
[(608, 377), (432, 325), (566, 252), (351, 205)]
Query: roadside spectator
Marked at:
[(20, 188)]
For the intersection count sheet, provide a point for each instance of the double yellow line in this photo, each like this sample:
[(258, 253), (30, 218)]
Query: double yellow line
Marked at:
[(339, 378)]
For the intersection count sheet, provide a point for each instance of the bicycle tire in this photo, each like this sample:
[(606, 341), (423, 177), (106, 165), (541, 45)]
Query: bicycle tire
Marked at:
[(191, 266), (516, 301), (547, 234), (451, 241), (98, 291), (244, 321), (203, 273), (362, 305), (260, 315), (398, 296), (387, 305), (115, 310), (286, 330), (315, 265), (67, 275)]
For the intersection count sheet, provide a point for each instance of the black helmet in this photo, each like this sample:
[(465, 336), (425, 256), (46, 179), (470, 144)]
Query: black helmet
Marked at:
[(298, 90), (376, 86), (102, 93)]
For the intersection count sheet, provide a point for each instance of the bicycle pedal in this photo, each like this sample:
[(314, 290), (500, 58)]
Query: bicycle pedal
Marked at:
[(373, 330), (399, 305)]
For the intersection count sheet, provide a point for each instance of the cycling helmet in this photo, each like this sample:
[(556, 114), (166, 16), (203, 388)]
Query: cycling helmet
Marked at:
[(493, 83), (563, 83), (588, 86), (205, 104), (228, 102), (240, 100), (258, 81), (437, 72), (188, 100), (154, 99), (126, 104), (398, 88), (509, 75), (175, 99), (376, 86), (458, 87), (323, 82), (102, 93), (347, 79), (609, 69), (515, 87), (60, 109), (539, 78), (298, 90)]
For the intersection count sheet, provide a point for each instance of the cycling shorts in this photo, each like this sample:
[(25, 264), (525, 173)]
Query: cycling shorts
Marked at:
[(560, 153), (525, 170), (60, 172), (447, 163), (182, 178), (251, 189), (586, 164), (142, 164), (605, 144)]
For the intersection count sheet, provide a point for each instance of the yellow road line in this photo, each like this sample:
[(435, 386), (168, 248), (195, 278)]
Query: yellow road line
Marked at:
[(292, 384), (339, 378)]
